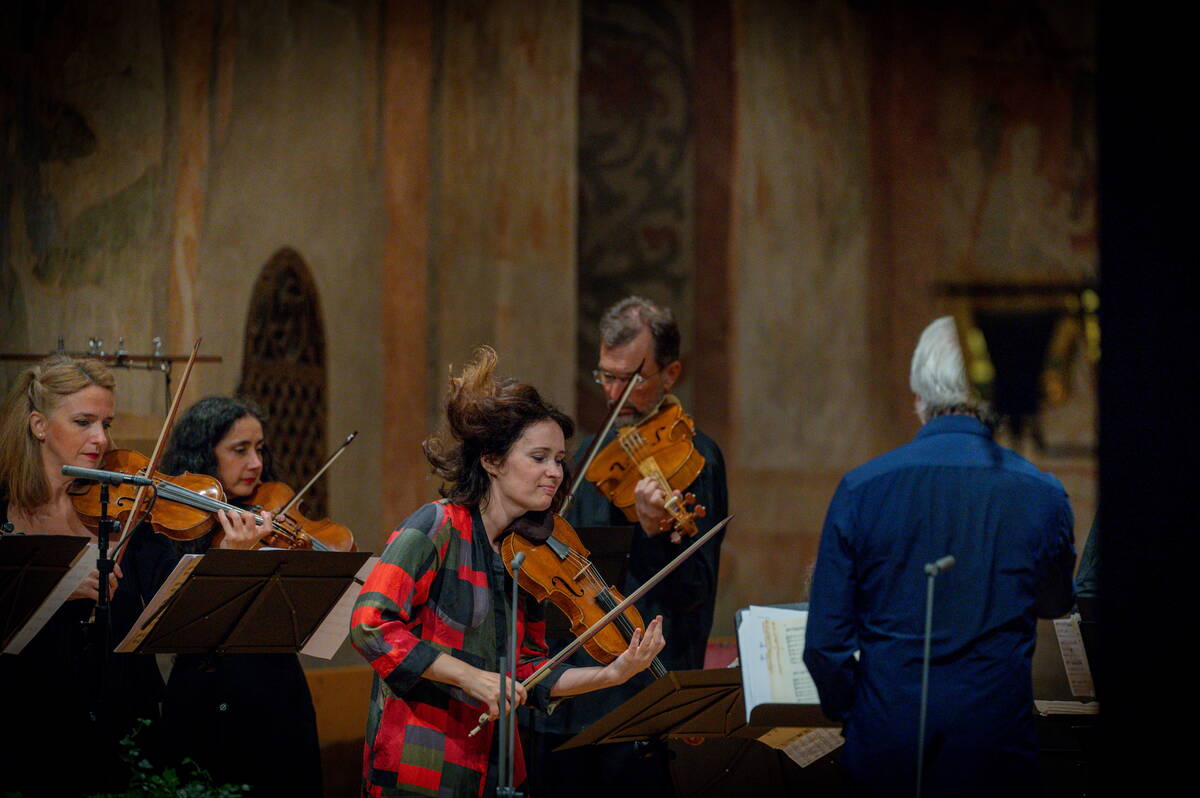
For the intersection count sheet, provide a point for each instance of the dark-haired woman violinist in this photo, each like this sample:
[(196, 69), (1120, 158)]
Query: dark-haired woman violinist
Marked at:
[(246, 718)]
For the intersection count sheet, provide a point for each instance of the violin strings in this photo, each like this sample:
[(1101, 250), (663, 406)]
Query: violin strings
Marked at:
[(587, 568), (182, 495)]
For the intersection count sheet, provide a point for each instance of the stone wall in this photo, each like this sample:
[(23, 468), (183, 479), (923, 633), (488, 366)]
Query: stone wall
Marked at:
[(835, 163)]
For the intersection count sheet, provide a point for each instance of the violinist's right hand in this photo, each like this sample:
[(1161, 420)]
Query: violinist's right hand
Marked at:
[(239, 530), (483, 686), (89, 588)]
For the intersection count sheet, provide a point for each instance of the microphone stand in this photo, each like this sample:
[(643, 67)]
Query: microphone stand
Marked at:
[(508, 700), (931, 571), (102, 627), (107, 527)]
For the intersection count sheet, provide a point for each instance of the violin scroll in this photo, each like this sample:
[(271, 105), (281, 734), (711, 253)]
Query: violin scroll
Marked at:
[(660, 447), (682, 515)]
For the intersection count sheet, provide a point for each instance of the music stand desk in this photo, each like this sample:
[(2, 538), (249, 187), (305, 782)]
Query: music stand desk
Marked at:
[(31, 567), (702, 703), (248, 602)]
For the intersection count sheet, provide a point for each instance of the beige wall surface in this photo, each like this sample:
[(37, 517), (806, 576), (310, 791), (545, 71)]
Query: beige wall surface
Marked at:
[(432, 149), (283, 94), (503, 195), (287, 169), (85, 224), (802, 412)]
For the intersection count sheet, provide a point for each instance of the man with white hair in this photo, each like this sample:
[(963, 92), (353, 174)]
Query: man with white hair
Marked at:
[(951, 491)]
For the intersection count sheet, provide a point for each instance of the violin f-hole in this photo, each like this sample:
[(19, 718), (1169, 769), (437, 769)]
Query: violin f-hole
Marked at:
[(558, 580)]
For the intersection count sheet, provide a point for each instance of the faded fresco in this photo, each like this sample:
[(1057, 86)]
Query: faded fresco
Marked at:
[(636, 165), (1017, 126), (804, 226), (81, 210)]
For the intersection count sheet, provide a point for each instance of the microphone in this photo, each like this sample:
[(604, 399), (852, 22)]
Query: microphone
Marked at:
[(940, 565), (518, 560), (109, 477)]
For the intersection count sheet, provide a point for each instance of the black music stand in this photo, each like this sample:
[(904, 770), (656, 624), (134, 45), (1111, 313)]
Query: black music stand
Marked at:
[(31, 567), (1089, 628), (609, 551), (246, 602), (706, 703), (731, 762)]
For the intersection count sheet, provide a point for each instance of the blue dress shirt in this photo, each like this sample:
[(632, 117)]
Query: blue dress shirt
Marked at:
[(952, 490)]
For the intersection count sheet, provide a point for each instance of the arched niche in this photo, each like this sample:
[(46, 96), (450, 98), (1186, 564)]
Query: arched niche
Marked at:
[(283, 371)]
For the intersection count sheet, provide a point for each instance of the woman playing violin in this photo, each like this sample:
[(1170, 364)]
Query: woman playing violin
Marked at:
[(59, 413), (225, 711), (431, 617)]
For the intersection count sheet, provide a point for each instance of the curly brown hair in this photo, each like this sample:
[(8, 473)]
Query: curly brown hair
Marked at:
[(485, 416)]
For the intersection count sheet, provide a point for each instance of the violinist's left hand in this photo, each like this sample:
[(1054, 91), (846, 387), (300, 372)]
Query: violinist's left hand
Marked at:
[(643, 648), (240, 531), (650, 503)]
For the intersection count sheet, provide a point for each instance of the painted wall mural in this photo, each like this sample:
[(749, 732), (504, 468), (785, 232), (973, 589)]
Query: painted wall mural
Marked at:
[(635, 168), (1017, 119), (81, 171)]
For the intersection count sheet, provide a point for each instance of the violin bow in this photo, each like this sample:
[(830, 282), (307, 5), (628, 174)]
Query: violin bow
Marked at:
[(594, 449), (132, 520), (544, 669), (338, 453)]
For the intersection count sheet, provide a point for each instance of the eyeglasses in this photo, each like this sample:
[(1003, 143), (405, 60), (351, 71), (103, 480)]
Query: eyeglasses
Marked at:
[(607, 378)]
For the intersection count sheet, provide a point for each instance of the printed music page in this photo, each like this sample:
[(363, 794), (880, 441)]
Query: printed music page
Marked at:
[(803, 746), (1074, 656), (771, 651), (790, 681)]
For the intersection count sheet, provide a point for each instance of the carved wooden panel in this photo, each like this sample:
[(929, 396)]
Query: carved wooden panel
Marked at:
[(283, 371)]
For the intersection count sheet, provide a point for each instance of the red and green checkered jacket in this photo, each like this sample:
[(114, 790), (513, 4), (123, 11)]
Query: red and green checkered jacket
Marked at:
[(438, 588)]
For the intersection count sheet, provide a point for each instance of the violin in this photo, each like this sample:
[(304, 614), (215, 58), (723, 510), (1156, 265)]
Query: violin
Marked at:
[(284, 503), (191, 506), (557, 569), (277, 498), (176, 520), (660, 447), (546, 667)]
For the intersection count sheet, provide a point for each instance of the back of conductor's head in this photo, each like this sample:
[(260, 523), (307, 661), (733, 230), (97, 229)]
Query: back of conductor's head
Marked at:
[(938, 376)]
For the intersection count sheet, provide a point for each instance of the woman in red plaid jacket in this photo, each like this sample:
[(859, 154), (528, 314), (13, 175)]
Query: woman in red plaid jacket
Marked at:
[(431, 618)]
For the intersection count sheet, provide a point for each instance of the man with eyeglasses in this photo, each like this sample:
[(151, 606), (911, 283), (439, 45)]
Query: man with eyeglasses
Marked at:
[(632, 332)]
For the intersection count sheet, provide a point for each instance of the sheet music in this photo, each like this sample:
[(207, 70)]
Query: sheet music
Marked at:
[(145, 621), (1074, 656), (330, 635), (790, 681), (803, 746), (83, 565), (1067, 707), (771, 650)]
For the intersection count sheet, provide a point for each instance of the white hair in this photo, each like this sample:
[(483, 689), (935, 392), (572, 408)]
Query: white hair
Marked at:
[(938, 376)]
